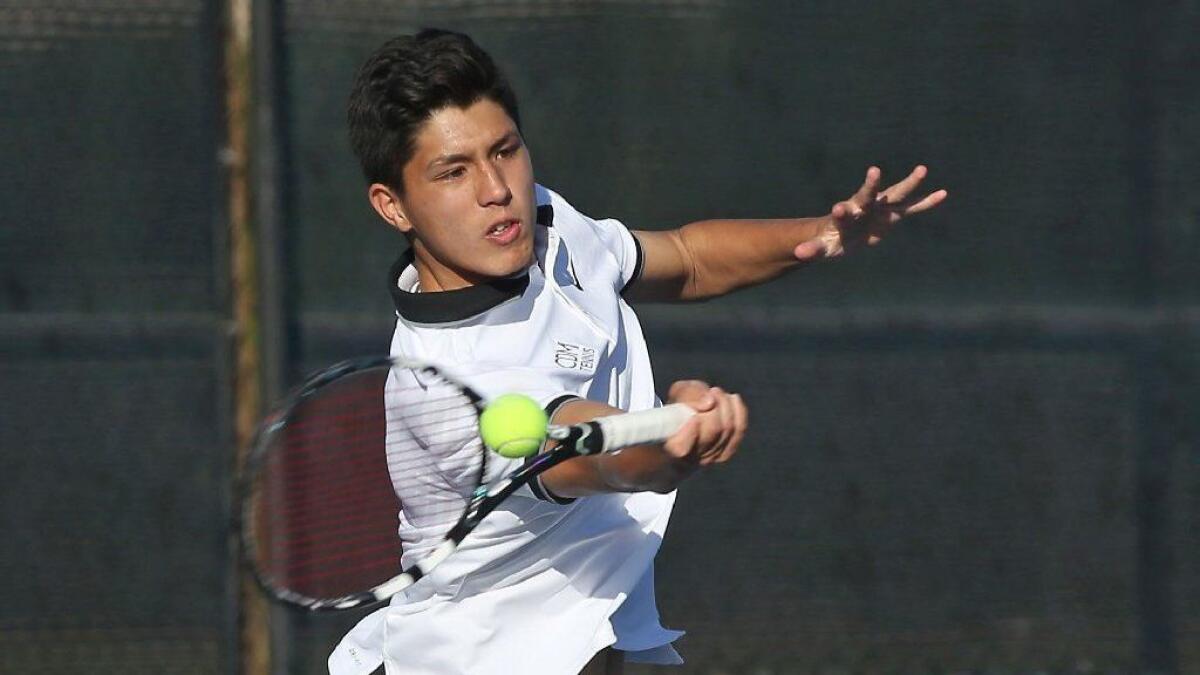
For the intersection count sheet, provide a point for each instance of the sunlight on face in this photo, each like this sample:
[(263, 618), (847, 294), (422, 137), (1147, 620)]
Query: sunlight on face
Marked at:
[(469, 202)]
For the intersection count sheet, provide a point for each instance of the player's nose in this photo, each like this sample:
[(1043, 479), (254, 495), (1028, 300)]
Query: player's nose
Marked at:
[(493, 187)]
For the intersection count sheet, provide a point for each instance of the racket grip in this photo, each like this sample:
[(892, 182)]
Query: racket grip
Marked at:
[(645, 426)]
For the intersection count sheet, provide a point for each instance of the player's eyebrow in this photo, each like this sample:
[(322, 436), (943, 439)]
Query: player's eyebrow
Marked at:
[(463, 157), (448, 159), (504, 140)]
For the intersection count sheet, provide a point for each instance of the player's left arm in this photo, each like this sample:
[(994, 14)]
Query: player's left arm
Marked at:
[(713, 257)]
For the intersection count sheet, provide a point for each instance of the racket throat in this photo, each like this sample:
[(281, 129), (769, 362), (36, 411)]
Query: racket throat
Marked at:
[(585, 439)]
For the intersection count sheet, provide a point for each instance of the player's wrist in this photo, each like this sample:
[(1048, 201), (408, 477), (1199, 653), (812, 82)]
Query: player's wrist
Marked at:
[(642, 469)]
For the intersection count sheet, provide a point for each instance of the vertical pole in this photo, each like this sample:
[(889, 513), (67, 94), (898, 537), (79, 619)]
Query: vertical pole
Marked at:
[(269, 179), (246, 294), (215, 25)]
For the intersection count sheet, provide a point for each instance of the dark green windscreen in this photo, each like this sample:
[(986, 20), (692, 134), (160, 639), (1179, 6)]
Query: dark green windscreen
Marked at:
[(972, 448)]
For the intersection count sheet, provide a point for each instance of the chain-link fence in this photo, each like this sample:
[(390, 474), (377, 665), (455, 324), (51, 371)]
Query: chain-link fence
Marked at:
[(972, 449)]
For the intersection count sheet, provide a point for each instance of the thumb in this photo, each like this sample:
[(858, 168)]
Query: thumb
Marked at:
[(810, 249)]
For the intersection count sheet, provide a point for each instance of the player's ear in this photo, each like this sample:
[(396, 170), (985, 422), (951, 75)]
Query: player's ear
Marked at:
[(389, 207)]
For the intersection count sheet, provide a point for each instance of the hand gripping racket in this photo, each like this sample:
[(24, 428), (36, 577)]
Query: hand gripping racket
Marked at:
[(372, 473)]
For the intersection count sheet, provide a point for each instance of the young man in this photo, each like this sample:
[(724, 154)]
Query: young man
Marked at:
[(510, 287)]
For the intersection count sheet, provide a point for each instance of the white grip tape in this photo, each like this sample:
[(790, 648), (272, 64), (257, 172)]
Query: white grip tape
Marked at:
[(645, 426)]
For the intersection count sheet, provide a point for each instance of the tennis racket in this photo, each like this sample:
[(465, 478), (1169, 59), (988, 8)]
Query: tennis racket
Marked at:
[(372, 473)]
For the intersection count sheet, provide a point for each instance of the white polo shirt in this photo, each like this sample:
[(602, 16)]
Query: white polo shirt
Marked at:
[(543, 583)]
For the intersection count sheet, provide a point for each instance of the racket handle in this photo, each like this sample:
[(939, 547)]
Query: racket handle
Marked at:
[(645, 426)]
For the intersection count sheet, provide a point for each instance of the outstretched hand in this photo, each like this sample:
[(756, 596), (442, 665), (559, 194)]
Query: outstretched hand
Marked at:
[(868, 215)]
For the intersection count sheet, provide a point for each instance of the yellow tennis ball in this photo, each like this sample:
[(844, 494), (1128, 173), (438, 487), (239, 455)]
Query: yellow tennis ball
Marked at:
[(513, 426)]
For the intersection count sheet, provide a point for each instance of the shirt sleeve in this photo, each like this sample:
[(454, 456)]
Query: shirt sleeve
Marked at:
[(624, 247), (592, 240), (536, 486)]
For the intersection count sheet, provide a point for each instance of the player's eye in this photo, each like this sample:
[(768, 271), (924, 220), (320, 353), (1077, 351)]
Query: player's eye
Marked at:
[(509, 150), (456, 172)]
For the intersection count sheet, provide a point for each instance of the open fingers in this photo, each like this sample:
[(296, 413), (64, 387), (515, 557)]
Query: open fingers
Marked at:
[(870, 187), (902, 190), (931, 200)]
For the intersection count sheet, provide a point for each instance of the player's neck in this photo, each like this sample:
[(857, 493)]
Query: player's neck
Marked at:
[(434, 276)]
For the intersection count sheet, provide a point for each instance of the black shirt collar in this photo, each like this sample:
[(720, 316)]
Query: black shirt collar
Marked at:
[(460, 304)]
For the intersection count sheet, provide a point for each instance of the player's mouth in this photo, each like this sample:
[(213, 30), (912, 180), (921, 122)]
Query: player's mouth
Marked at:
[(504, 232)]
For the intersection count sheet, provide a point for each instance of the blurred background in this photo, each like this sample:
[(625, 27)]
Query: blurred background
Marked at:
[(973, 449)]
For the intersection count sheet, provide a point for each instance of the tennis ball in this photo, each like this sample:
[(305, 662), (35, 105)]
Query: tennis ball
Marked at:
[(513, 426)]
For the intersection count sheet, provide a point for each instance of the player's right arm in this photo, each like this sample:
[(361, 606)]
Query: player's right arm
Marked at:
[(712, 436)]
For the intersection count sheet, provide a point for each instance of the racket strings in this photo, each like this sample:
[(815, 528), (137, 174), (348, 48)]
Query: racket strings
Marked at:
[(314, 439), (326, 519)]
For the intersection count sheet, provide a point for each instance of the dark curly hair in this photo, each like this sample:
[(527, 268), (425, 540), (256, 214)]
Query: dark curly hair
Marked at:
[(404, 82)]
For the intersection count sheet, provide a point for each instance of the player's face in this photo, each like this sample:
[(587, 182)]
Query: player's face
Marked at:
[(468, 199)]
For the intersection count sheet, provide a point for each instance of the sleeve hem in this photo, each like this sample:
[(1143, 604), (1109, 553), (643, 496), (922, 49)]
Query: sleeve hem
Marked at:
[(536, 486), (638, 264)]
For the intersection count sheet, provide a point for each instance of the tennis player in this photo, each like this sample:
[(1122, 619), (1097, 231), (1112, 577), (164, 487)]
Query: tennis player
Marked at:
[(513, 289)]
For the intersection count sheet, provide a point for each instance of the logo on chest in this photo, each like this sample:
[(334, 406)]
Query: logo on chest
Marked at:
[(574, 357)]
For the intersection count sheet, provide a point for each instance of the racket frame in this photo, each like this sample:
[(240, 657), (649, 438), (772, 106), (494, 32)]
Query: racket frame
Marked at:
[(260, 450), (577, 440)]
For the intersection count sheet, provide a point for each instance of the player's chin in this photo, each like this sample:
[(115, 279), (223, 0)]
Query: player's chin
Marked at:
[(509, 261)]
